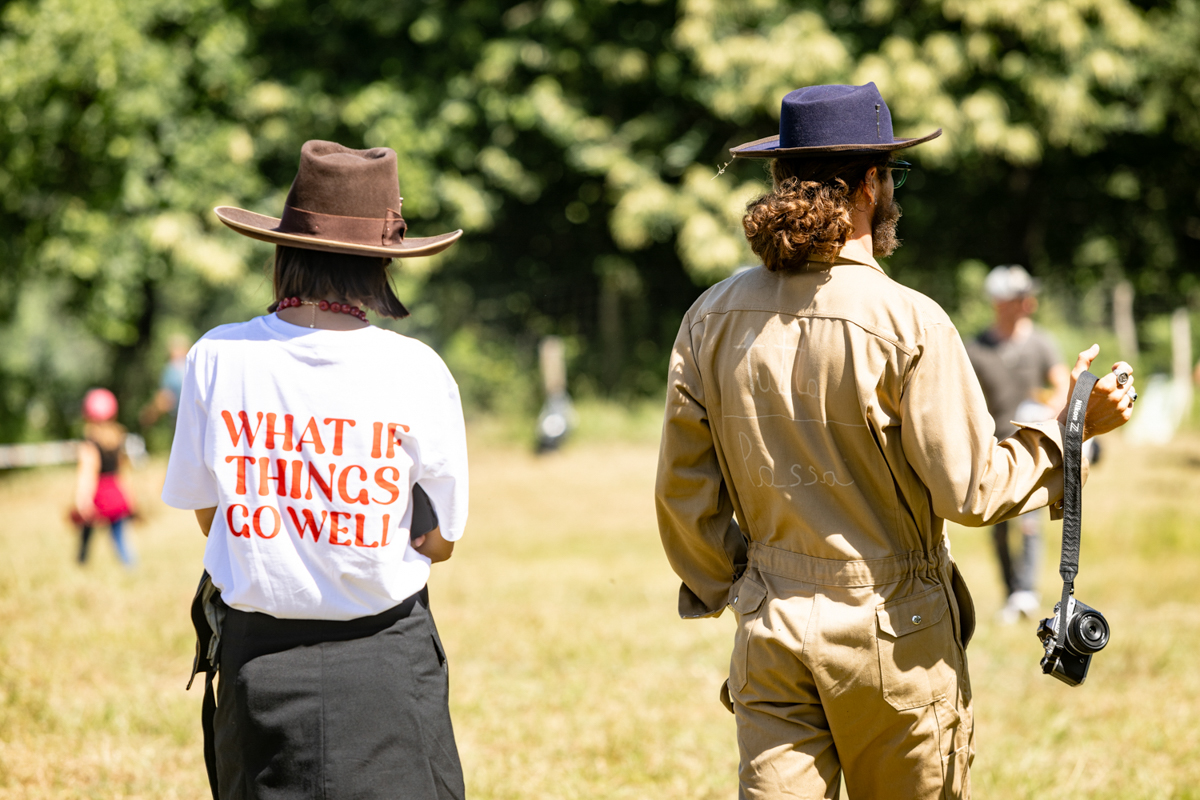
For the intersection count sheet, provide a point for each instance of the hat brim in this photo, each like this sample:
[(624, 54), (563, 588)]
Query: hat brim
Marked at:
[(266, 229), (769, 147)]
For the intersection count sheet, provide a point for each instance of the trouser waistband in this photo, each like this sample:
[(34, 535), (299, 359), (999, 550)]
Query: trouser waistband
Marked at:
[(831, 572)]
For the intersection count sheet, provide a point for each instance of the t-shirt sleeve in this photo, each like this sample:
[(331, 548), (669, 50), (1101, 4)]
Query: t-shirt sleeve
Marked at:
[(190, 483), (443, 473)]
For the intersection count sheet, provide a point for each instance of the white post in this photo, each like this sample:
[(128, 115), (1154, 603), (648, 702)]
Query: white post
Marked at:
[(1181, 361), (1181, 346), (552, 358), (1123, 324)]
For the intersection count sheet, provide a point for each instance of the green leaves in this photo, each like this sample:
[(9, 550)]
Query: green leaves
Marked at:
[(564, 136), (117, 141)]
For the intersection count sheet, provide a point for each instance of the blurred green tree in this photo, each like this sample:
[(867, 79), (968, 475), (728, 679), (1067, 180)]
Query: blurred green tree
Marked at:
[(120, 129), (579, 144)]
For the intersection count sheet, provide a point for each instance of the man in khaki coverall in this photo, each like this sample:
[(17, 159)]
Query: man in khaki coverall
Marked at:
[(835, 412)]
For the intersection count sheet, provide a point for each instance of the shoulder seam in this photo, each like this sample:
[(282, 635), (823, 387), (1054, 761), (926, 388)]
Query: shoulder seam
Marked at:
[(876, 332)]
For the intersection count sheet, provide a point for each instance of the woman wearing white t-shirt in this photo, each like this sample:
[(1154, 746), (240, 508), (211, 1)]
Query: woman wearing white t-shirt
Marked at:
[(301, 439)]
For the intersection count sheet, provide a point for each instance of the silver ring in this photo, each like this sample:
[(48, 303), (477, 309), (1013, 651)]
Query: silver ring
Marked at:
[(1122, 378), (1132, 398)]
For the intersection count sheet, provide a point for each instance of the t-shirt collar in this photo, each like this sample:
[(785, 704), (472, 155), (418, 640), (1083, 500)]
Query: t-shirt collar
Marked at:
[(289, 330)]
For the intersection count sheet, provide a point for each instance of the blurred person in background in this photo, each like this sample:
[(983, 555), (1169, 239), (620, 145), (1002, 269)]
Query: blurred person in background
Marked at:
[(301, 438), (166, 400), (100, 493), (822, 422), (1023, 380)]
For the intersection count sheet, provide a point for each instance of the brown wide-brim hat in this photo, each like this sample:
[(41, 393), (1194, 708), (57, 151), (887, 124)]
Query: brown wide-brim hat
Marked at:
[(831, 120), (342, 201)]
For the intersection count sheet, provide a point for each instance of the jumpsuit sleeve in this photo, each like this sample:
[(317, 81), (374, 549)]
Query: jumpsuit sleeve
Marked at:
[(702, 541), (949, 439)]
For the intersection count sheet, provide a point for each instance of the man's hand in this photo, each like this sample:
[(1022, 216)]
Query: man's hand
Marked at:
[(1111, 404)]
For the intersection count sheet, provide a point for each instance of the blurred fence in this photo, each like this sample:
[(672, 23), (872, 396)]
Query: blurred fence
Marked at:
[(45, 454)]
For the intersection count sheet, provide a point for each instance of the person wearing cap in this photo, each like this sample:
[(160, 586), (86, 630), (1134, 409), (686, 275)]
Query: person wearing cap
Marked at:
[(300, 440), (1023, 379), (165, 401), (100, 494), (822, 423)]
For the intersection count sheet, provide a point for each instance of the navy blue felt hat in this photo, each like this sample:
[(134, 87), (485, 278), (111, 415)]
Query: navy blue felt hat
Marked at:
[(825, 120)]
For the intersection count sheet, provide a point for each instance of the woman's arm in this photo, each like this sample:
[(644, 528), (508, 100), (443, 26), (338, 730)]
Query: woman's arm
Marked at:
[(204, 516), (85, 479), (431, 545), (123, 482)]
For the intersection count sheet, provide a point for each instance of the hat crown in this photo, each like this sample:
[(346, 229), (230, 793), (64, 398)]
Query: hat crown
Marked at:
[(339, 181), (341, 201), (824, 120), (834, 116)]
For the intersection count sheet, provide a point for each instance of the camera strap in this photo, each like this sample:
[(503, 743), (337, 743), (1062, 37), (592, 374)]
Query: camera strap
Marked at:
[(1068, 566)]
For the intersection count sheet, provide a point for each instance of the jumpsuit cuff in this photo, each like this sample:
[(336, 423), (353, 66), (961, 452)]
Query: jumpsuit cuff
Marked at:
[(692, 607), (1056, 432)]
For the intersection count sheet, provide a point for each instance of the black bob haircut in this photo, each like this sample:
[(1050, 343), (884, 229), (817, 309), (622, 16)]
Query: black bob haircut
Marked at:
[(318, 275)]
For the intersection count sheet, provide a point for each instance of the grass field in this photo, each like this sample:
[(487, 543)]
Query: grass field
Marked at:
[(571, 676)]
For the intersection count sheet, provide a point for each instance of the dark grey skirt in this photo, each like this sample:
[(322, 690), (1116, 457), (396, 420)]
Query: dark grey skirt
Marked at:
[(331, 710)]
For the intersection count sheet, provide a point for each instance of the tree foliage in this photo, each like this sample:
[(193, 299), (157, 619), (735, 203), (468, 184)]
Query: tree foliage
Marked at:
[(118, 135), (578, 142)]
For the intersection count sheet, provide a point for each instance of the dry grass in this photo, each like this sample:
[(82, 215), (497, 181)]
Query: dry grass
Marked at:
[(571, 677)]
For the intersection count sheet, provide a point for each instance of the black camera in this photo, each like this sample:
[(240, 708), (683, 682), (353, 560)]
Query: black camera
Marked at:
[(1087, 633)]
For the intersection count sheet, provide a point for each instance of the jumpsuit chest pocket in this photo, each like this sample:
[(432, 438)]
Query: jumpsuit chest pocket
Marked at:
[(747, 604), (918, 654)]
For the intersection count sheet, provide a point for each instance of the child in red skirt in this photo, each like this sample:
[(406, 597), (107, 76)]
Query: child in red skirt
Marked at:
[(99, 494)]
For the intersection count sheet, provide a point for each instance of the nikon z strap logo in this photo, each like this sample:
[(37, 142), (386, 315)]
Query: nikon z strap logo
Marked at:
[(1077, 407)]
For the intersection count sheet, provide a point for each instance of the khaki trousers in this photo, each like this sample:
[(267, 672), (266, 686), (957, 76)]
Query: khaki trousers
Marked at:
[(853, 668)]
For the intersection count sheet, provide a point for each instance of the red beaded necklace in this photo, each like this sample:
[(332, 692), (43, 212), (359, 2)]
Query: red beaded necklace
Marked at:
[(324, 305)]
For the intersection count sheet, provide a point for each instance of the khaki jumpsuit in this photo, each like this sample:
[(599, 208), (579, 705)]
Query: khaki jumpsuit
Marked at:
[(835, 412)]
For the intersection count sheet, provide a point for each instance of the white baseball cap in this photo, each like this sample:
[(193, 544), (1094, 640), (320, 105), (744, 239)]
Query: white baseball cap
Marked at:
[(1008, 282)]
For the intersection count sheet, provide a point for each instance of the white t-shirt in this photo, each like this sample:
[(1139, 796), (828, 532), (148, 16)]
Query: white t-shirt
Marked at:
[(308, 442)]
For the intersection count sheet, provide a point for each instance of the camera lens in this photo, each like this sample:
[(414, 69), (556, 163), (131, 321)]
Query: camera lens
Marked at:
[(1087, 633)]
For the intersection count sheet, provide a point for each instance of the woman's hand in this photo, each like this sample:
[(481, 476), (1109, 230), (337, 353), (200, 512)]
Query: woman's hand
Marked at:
[(433, 546), (1111, 404)]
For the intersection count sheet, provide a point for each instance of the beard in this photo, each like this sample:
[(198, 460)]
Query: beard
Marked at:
[(883, 228)]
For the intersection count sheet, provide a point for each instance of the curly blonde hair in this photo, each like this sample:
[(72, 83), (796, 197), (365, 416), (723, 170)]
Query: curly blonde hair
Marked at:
[(807, 213)]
